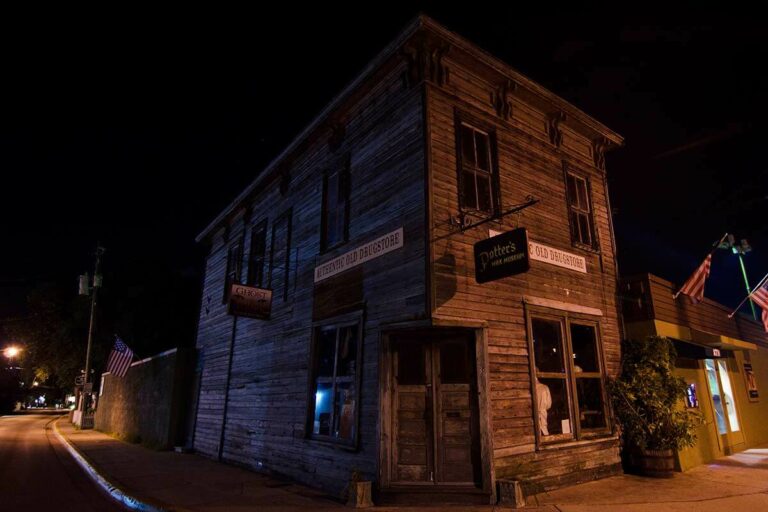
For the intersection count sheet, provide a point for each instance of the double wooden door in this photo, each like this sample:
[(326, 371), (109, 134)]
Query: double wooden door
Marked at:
[(435, 412)]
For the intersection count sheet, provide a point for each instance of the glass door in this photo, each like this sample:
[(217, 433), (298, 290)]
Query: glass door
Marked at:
[(723, 404)]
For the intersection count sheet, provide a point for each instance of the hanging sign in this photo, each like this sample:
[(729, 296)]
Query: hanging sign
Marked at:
[(250, 301), (355, 257), (557, 257), (501, 256)]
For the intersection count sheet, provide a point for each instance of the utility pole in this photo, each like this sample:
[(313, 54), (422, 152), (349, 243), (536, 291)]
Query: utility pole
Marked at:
[(94, 289)]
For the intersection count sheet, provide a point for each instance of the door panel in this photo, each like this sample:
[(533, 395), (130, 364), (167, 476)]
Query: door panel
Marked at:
[(456, 435), (413, 426)]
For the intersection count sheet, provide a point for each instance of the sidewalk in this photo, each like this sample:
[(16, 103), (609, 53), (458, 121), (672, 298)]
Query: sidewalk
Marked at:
[(186, 482)]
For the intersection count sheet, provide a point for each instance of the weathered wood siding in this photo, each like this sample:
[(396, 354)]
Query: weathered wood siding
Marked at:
[(529, 163), (267, 403)]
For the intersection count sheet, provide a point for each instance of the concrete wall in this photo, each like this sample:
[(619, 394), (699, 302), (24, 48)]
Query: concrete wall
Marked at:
[(148, 405)]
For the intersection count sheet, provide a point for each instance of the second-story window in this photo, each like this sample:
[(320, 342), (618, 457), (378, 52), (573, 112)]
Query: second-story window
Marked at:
[(580, 210), (335, 215), (476, 173), (234, 267), (257, 256)]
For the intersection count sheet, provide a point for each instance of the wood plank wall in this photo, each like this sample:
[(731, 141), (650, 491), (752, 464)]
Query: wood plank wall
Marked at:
[(656, 302), (267, 411), (529, 164)]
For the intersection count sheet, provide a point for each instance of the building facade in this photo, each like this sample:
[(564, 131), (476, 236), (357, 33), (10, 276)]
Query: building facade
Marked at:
[(440, 257), (723, 360)]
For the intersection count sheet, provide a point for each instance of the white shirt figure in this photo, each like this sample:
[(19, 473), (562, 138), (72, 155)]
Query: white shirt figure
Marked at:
[(543, 403)]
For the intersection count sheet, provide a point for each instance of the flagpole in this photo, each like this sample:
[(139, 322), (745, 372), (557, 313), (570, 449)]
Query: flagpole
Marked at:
[(762, 281), (714, 248)]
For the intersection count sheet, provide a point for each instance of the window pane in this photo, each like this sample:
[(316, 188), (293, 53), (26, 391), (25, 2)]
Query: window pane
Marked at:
[(484, 193), (575, 226), (326, 352), (467, 146), (585, 236), (581, 186), (591, 413), (552, 407), (258, 249), (547, 346), (468, 190), (322, 420), (482, 145), (584, 344), (573, 197), (730, 405), (454, 363), (410, 364), (717, 401), (347, 352), (344, 409), (331, 209)]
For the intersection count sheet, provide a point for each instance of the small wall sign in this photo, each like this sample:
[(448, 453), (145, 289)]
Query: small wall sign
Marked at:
[(501, 256), (749, 376), (250, 301), (557, 257)]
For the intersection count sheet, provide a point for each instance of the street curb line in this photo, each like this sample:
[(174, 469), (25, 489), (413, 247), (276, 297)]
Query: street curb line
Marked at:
[(113, 491)]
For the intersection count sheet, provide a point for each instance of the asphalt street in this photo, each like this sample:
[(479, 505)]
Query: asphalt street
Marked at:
[(37, 473)]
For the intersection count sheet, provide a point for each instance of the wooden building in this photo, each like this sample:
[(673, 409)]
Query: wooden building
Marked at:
[(383, 356), (723, 360)]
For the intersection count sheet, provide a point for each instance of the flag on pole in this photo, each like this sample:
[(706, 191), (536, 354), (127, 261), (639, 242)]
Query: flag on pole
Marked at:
[(760, 297), (119, 359), (694, 286)]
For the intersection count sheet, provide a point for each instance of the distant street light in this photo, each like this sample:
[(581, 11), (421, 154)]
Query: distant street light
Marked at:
[(11, 352)]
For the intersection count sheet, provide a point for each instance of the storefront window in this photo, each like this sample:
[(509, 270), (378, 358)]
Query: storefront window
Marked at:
[(568, 378), (335, 382)]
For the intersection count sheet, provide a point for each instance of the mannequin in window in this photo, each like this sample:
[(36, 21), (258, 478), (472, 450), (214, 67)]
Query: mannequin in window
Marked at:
[(543, 403)]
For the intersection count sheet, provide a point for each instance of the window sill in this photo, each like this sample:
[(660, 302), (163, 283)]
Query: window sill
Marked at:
[(585, 247), (330, 443), (592, 438)]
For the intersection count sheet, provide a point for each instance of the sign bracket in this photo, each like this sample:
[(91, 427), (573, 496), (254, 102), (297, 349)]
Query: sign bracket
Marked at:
[(459, 222)]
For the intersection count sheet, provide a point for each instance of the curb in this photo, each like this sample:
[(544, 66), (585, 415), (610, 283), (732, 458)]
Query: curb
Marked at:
[(113, 491)]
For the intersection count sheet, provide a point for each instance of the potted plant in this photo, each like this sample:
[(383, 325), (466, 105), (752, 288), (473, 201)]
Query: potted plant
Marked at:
[(647, 398)]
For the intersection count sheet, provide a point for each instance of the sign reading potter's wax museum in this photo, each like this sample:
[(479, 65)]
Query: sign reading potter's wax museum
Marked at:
[(250, 301), (501, 256), (373, 249)]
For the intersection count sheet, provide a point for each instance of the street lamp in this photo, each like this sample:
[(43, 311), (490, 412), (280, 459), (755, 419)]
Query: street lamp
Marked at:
[(741, 248), (10, 353)]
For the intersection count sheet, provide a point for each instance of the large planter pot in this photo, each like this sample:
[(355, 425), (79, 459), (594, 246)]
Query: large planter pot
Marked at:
[(655, 463)]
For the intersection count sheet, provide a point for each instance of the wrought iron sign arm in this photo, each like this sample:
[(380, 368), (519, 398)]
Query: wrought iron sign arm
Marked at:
[(529, 201)]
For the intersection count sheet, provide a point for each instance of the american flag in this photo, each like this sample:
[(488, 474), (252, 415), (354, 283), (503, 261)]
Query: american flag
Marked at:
[(694, 286), (119, 359), (760, 297)]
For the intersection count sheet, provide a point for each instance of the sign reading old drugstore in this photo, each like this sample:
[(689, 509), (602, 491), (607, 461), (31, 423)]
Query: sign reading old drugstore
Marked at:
[(373, 249), (557, 257), (501, 256), (250, 301)]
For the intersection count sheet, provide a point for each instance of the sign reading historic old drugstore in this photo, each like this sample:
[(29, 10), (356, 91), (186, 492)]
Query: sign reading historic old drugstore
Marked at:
[(557, 257), (250, 301), (501, 256), (373, 249)]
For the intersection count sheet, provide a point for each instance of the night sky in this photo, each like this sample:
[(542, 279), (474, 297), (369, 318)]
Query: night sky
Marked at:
[(138, 132)]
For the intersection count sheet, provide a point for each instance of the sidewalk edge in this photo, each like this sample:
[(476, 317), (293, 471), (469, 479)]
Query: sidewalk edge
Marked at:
[(112, 490)]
